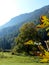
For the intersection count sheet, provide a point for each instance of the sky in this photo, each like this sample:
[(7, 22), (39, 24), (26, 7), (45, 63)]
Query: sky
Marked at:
[(12, 8)]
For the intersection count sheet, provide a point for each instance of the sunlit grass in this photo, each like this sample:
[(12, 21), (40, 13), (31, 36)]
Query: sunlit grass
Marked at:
[(9, 59)]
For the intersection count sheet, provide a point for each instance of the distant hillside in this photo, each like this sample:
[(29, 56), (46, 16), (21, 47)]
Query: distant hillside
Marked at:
[(15, 23), (17, 20), (11, 29), (28, 17)]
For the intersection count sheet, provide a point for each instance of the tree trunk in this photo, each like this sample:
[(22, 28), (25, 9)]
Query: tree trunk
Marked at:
[(47, 44)]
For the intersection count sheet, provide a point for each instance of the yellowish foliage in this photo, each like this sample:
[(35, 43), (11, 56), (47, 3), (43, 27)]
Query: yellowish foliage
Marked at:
[(44, 22), (44, 60), (45, 57), (47, 28), (48, 34), (30, 42), (46, 53)]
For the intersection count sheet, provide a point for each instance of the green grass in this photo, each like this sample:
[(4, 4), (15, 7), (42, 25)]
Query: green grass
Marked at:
[(8, 59)]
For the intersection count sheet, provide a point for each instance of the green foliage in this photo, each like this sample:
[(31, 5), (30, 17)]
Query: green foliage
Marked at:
[(27, 32)]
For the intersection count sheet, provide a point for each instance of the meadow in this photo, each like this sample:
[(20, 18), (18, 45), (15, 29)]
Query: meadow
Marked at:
[(8, 59)]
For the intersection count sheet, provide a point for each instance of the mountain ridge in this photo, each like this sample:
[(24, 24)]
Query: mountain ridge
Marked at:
[(15, 23), (10, 30), (27, 17)]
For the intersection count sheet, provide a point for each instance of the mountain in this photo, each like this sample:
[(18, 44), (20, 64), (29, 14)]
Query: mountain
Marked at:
[(11, 29), (27, 17), (16, 22)]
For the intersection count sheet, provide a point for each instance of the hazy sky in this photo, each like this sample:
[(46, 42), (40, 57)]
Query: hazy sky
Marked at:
[(12, 8)]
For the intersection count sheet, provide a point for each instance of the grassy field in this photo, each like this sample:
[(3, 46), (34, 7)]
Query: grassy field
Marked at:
[(8, 59)]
